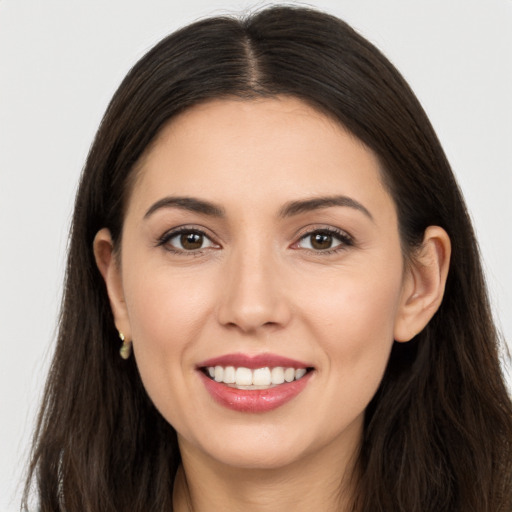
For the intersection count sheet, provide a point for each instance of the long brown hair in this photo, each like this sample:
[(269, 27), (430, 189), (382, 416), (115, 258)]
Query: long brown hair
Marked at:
[(438, 432)]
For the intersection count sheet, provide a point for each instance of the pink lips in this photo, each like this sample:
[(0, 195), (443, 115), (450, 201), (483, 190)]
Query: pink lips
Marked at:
[(253, 400), (253, 362)]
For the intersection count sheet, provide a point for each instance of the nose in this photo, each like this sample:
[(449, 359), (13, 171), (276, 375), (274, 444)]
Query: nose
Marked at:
[(254, 296)]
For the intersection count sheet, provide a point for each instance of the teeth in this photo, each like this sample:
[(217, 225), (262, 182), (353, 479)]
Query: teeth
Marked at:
[(261, 377), (277, 375), (229, 375), (299, 373), (289, 374), (219, 373), (243, 377)]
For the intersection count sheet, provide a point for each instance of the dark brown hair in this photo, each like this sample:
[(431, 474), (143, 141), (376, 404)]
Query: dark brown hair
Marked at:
[(437, 434)]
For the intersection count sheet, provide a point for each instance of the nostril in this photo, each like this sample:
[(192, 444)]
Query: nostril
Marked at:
[(250, 303)]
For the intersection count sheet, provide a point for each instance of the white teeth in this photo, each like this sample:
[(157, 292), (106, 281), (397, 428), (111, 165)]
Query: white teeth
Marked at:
[(300, 372), (289, 374), (260, 377), (219, 373), (277, 375), (229, 375), (243, 377)]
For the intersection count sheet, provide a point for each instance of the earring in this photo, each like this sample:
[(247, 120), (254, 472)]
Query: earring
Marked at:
[(126, 347)]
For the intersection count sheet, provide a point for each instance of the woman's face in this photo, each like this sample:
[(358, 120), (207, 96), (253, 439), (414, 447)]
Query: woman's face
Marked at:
[(259, 235)]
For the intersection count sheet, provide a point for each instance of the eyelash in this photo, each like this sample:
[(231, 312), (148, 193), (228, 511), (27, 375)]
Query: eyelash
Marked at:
[(341, 236), (164, 240), (344, 239)]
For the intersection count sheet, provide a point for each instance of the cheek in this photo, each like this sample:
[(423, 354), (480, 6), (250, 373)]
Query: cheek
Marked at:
[(354, 322), (165, 310), (356, 306), (167, 315)]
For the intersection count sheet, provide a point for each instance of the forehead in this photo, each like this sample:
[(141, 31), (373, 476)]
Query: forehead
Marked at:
[(256, 151)]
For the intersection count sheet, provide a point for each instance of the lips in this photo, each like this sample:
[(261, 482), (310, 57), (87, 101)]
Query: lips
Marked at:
[(254, 384), (253, 362)]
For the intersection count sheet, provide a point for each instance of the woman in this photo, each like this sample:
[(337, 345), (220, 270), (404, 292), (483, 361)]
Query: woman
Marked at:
[(267, 221)]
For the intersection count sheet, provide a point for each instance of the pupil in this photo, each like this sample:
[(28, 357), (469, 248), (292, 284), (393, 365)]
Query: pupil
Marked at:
[(191, 241), (321, 241)]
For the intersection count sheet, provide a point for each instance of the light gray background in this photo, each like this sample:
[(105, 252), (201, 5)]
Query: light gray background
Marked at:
[(60, 62)]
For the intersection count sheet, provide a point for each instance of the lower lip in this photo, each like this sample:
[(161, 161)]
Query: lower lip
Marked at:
[(254, 400)]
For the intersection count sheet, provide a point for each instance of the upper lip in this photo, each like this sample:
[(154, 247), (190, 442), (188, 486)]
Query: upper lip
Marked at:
[(253, 361)]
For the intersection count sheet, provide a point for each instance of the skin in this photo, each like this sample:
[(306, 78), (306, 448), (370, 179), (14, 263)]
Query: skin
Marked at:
[(257, 285)]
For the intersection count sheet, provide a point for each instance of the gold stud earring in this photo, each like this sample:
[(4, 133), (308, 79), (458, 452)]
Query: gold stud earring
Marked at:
[(126, 347)]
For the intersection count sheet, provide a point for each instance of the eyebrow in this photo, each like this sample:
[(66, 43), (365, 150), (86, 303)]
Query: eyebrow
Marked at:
[(317, 203), (187, 203), (289, 210)]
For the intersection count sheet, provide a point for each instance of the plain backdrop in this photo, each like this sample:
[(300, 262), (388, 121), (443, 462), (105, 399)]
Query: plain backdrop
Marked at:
[(60, 63)]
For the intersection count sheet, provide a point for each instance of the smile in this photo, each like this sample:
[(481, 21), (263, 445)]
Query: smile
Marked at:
[(254, 384), (259, 378)]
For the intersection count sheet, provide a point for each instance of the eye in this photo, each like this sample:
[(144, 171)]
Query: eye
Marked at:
[(324, 240), (186, 240)]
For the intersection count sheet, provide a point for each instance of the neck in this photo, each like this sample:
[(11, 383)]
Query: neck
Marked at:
[(321, 481)]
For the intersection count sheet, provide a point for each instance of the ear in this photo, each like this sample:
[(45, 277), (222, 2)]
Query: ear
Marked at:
[(109, 268), (424, 284)]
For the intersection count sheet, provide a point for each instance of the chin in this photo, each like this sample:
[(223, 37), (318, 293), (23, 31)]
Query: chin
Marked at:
[(255, 457), (248, 447)]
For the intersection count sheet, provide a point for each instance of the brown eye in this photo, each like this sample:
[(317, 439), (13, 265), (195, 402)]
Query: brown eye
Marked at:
[(186, 241), (325, 240), (191, 241), (321, 241)]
